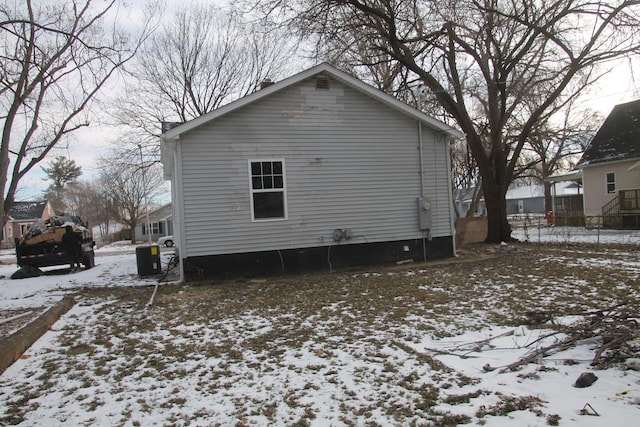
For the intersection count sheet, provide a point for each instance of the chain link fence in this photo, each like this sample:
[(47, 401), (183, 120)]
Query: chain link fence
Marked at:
[(569, 229)]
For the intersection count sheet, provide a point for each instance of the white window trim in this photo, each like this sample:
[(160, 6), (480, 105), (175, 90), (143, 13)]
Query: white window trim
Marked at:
[(284, 189), (154, 227), (606, 183)]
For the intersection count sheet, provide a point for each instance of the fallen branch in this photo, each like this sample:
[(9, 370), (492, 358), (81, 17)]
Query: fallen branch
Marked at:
[(616, 328), (541, 352), (475, 345)]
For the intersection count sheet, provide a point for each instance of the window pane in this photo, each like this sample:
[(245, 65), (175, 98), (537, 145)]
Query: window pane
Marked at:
[(255, 169), (256, 183), (268, 205), (277, 181), (267, 182), (611, 182), (277, 168), (266, 168)]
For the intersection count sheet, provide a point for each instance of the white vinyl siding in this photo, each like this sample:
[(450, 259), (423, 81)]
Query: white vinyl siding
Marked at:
[(351, 163)]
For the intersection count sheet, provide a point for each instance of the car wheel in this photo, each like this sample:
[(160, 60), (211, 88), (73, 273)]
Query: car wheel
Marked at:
[(168, 243)]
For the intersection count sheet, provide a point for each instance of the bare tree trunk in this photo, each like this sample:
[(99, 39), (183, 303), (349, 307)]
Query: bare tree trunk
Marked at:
[(548, 200), (475, 200), (498, 228)]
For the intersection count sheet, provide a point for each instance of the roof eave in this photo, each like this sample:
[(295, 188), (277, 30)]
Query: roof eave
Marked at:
[(575, 175)]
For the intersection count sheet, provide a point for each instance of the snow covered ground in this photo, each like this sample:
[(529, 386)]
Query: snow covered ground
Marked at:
[(230, 356), (115, 266)]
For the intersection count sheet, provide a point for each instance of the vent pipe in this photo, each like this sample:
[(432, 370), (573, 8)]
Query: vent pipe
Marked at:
[(266, 83)]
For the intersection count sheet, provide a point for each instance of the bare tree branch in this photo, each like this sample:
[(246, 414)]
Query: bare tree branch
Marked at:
[(55, 60)]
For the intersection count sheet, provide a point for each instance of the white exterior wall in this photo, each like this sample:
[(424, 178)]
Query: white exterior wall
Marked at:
[(595, 183), (350, 163)]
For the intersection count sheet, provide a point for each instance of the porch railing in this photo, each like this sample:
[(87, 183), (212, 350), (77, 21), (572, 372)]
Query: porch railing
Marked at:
[(623, 211)]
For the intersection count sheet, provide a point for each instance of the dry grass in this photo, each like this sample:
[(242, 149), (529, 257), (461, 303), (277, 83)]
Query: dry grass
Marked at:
[(230, 336)]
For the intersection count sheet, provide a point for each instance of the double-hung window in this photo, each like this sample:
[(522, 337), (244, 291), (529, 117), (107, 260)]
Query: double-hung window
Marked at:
[(268, 189), (611, 182), (155, 228)]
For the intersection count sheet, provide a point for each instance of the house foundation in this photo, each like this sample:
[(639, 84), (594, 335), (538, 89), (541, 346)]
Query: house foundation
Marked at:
[(324, 258)]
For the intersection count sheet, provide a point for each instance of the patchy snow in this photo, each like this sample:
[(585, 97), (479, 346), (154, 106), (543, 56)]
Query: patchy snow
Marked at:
[(312, 384), (615, 395), (115, 266)]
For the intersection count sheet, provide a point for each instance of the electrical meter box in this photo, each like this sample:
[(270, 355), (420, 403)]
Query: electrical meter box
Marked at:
[(424, 213)]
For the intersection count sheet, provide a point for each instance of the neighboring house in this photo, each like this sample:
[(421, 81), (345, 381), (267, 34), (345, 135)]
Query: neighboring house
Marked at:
[(529, 199), (161, 224), (464, 199), (317, 171), (611, 170), (21, 216)]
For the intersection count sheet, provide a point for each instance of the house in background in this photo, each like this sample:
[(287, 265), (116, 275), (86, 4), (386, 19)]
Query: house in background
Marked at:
[(160, 221), (611, 170), (21, 216), (529, 199), (464, 199), (317, 171)]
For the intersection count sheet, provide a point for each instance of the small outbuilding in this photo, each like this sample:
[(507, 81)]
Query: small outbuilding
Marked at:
[(316, 172)]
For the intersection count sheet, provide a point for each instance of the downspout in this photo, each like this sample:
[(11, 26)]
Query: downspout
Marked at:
[(421, 158), (448, 142), (178, 204), (421, 149), (171, 149)]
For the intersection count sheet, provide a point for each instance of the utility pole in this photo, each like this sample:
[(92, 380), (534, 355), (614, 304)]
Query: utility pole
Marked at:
[(144, 189)]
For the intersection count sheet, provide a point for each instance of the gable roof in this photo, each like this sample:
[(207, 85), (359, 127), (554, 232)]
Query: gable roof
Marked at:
[(327, 69), (27, 210), (161, 213), (618, 138), (564, 188)]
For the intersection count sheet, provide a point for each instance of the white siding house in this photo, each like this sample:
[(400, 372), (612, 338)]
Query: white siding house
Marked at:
[(611, 170), (318, 171)]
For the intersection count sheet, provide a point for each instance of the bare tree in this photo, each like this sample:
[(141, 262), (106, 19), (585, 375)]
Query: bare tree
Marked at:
[(555, 145), (91, 201), (131, 186), (201, 59), (494, 66), (55, 58), (465, 178)]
